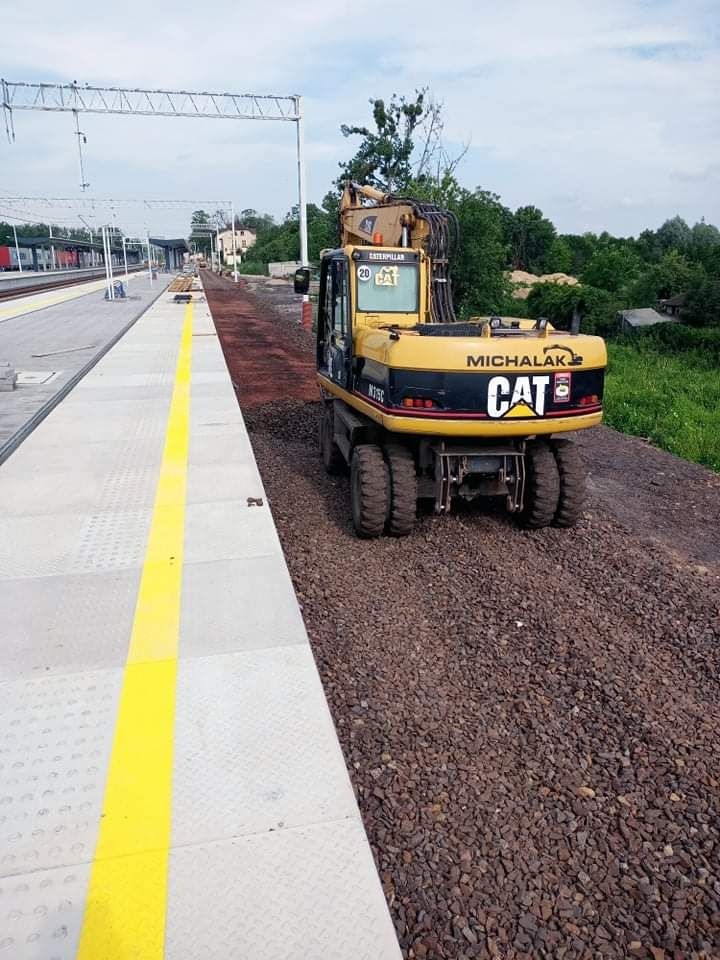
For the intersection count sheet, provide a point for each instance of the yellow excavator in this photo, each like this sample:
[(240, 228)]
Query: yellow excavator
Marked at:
[(421, 406)]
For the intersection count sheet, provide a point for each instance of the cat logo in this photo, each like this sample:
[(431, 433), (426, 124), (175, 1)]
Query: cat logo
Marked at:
[(523, 398)]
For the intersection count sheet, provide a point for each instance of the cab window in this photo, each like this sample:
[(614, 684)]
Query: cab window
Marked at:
[(339, 309), (387, 287)]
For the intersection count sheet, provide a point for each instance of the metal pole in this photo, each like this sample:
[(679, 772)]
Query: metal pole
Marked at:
[(217, 248), (125, 258), (107, 272), (301, 184), (17, 249), (110, 263), (235, 271), (149, 263)]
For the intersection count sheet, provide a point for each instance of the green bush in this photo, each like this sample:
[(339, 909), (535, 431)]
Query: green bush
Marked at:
[(250, 268), (700, 345)]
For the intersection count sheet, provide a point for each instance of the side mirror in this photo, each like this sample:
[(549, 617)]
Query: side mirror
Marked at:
[(301, 281)]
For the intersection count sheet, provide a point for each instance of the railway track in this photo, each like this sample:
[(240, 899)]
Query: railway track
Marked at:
[(41, 287), (530, 719)]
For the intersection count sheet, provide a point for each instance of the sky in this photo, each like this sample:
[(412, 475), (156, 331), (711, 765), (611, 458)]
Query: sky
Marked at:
[(606, 115)]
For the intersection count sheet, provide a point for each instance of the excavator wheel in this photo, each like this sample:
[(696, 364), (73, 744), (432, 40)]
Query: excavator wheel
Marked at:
[(403, 490), (572, 483), (542, 486), (332, 458), (369, 490)]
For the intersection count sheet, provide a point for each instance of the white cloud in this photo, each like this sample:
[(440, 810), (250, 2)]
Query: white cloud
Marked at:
[(605, 114)]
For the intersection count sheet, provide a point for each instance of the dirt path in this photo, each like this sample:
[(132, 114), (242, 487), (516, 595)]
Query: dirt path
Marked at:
[(531, 719)]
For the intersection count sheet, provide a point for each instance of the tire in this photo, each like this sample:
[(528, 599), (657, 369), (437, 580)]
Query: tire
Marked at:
[(403, 490), (572, 483), (369, 490), (542, 486), (332, 458)]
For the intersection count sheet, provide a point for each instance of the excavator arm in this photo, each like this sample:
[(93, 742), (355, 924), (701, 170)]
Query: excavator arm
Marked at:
[(386, 220)]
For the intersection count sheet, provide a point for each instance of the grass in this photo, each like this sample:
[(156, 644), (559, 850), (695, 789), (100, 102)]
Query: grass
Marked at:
[(672, 399)]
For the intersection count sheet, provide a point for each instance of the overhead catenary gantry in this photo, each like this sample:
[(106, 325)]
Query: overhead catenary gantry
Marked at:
[(74, 98)]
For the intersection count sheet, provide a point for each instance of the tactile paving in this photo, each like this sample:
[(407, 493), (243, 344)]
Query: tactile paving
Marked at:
[(41, 913), (55, 737)]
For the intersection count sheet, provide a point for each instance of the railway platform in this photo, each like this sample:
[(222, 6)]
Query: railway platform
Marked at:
[(171, 784)]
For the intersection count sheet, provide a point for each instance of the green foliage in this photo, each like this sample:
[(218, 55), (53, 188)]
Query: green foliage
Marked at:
[(671, 275), (480, 283), (673, 400), (532, 236), (702, 307), (560, 257), (383, 157), (253, 268), (323, 226), (674, 234), (259, 223), (582, 247), (611, 268), (702, 346), (558, 302)]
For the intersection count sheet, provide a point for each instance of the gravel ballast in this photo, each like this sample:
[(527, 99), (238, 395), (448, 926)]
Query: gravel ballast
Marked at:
[(530, 719)]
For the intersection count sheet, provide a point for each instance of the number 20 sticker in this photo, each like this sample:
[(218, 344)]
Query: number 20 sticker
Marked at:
[(364, 273)]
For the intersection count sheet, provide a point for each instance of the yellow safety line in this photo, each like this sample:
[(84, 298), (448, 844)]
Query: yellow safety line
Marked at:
[(78, 290), (125, 913)]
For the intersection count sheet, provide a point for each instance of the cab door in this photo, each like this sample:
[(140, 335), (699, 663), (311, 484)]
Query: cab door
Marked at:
[(334, 331)]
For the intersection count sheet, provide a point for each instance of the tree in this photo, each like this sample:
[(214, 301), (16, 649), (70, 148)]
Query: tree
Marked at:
[(582, 247), (480, 282), (702, 307), (674, 234), (383, 157), (532, 236), (560, 302), (259, 223), (611, 268), (560, 257), (323, 226), (674, 274)]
